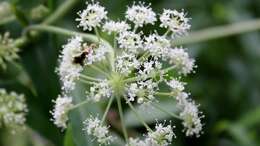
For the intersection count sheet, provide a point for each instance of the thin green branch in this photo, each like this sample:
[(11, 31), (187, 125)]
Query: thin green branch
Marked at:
[(79, 104), (122, 118), (87, 82), (99, 70), (163, 93), (7, 20), (219, 32), (165, 111), (61, 11), (107, 109), (89, 78), (138, 116)]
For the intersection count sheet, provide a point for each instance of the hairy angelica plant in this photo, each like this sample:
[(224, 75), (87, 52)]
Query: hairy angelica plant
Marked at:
[(133, 68)]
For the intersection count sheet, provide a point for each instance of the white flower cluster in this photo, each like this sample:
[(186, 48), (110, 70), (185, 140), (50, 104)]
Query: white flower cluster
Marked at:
[(92, 16), (140, 14), (93, 126), (135, 66), (190, 114), (143, 90), (175, 21), (116, 27), (162, 136), (68, 70), (60, 111), (8, 50), (12, 110), (100, 90)]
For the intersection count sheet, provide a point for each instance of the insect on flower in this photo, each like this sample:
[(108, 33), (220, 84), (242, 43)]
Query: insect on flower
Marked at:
[(80, 58)]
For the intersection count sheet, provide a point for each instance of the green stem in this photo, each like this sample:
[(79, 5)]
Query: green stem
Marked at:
[(97, 33), (122, 118), (164, 93), (61, 11), (218, 32), (107, 109), (7, 20), (167, 32), (165, 111), (99, 70), (138, 116), (78, 105), (89, 78), (87, 82)]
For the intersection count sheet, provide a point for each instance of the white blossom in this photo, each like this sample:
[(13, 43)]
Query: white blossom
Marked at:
[(149, 68), (60, 111), (176, 86), (143, 90), (117, 27), (100, 90), (136, 142), (130, 41), (191, 119), (126, 62), (13, 110), (93, 126), (181, 60), (140, 14), (175, 21), (157, 45), (97, 54), (162, 136), (68, 70), (92, 16), (8, 50)]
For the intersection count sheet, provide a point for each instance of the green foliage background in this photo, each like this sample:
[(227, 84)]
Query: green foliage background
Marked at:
[(226, 83)]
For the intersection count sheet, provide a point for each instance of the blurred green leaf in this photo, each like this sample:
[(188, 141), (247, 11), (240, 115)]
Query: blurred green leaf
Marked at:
[(68, 139), (149, 113), (79, 115)]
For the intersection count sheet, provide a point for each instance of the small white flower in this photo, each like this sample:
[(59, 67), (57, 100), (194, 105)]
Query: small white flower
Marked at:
[(68, 70), (140, 14), (92, 16), (181, 60), (93, 126), (157, 45), (97, 54), (117, 27), (130, 41), (136, 142), (176, 86), (149, 68), (175, 21), (191, 119), (8, 50), (60, 111), (100, 90), (143, 90), (125, 63), (162, 136), (12, 110)]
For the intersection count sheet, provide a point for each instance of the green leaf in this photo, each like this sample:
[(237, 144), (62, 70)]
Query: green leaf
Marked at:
[(251, 118), (80, 114), (241, 135), (149, 113), (68, 140)]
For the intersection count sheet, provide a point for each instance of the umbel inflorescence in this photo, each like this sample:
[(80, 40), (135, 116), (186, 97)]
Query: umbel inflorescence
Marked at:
[(133, 68), (13, 110)]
